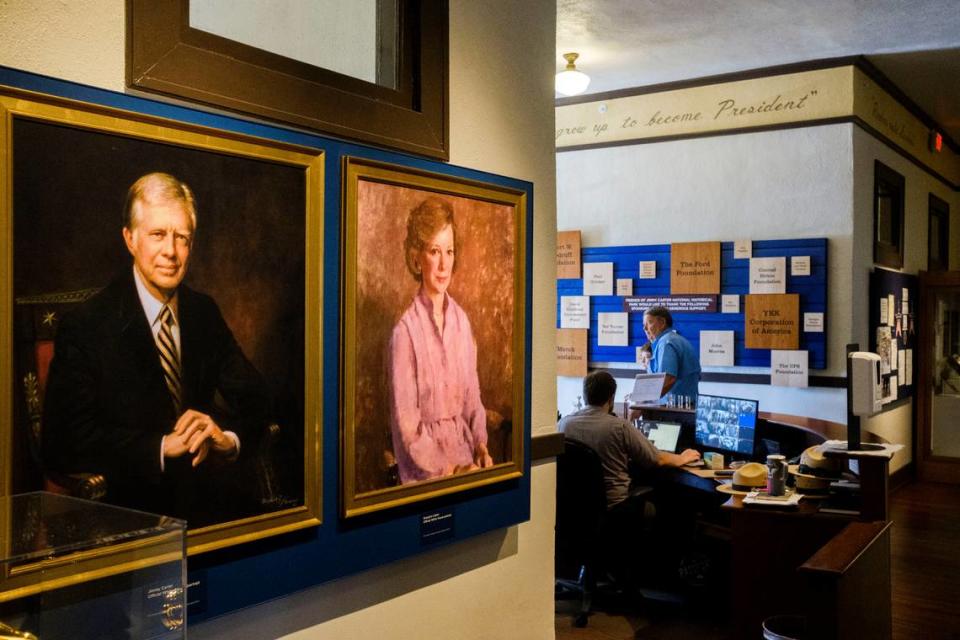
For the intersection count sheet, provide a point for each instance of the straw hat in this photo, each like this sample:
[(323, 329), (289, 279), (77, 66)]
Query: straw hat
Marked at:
[(811, 486), (750, 476), (814, 465)]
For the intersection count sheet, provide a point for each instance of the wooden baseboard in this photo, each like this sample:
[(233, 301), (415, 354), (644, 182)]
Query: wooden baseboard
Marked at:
[(903, 475)]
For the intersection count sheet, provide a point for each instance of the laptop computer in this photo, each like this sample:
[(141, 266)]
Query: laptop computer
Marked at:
[(663, 435)]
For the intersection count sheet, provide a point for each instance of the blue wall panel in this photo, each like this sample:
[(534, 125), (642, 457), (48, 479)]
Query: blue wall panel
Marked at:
[(734, 279), (258, 571)]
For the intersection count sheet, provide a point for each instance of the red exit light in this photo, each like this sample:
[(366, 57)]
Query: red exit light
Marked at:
[(936, 142)]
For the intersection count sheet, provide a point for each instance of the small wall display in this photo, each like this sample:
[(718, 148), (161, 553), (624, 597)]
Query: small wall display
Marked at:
[(789, 368), (462, 246), (598, 279), (613, 330), (695, 267), (716, 348), (723, 310), (568, 254), (893, 331), (572, 352), (768, 275), (772, 321), (574, 312)]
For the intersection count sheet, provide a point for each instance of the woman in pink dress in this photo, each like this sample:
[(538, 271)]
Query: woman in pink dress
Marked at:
[(437, 419)]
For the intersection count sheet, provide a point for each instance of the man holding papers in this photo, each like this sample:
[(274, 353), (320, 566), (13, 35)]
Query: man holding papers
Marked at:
[(672, 355)]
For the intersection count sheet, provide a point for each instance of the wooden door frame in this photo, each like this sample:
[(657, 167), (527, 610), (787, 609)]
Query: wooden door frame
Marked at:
[(930, 467)]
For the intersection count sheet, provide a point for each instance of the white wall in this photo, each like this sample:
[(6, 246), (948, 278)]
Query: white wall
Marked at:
[(501, 119), (791, 183)]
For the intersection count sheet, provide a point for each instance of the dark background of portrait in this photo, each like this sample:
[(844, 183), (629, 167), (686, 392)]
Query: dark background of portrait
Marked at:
[(69, 186), (482, 284)]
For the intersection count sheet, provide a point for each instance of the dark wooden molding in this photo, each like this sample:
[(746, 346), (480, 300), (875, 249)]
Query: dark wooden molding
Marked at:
[(166, 56), (892, 185), (548, 445)]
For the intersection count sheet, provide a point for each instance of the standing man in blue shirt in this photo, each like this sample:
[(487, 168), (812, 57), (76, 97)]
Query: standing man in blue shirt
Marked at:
[(672, 354)]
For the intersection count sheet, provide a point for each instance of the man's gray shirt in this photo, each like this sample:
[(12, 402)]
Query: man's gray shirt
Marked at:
[(616, 441)]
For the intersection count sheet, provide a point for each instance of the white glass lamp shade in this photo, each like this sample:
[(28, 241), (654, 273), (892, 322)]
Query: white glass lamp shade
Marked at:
[(570, 82)]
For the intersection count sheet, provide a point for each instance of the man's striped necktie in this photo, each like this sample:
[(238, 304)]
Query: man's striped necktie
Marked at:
[(169, 358)]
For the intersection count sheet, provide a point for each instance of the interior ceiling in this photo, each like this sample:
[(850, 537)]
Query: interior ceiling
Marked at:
[(634, 43)]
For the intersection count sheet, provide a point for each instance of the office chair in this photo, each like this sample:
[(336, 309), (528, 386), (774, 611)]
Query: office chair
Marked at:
[(581, 512)]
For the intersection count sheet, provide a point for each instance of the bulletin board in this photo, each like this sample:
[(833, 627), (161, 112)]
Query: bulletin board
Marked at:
[(892, 331), (734, 279)]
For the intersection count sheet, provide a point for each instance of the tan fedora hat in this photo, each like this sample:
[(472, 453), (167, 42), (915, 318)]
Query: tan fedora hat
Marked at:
[(815, 465), (750, 476), (811, 486)]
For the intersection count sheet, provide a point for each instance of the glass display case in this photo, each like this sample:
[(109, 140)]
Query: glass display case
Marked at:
[(71, 568)]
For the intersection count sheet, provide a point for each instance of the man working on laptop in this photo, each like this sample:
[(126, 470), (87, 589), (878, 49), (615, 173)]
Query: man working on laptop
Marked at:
[(620, 446)]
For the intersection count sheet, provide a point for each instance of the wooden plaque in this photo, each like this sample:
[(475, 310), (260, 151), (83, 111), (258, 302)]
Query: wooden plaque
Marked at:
[(772, 321), (695, 267), (572, 352), (568, 254)]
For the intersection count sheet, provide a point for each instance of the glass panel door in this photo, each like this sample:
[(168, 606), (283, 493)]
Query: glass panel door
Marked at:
[(938, 386), (945, 390)]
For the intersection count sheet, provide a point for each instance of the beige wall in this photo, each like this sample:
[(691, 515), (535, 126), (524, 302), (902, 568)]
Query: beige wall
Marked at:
[(896, 425), (499, 585)]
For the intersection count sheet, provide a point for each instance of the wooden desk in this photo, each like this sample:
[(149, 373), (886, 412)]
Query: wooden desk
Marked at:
[(768, 546), (847, 584)]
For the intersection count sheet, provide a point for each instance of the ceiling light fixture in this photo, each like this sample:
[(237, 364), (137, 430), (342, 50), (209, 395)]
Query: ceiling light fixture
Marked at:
[(570, 81)]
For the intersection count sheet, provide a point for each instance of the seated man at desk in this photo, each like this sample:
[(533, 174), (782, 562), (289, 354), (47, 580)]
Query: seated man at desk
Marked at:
[(671, 354), (620, 446)]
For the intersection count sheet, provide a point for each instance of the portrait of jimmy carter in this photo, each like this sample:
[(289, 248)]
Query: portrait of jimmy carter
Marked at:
[(148, 386)]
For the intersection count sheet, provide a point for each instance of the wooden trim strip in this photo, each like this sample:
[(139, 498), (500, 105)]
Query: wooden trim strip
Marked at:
[(548, 445)]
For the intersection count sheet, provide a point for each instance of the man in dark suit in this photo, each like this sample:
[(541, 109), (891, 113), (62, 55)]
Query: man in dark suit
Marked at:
[(148, 386)]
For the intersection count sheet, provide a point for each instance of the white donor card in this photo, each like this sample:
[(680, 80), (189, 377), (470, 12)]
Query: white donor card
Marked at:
[(768, 275), (612, 329), (788, 368), (574, 312), (716, 348), (598, 278)]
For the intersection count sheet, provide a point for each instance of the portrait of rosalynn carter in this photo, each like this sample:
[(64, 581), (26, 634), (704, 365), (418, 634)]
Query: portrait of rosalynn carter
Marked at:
[(435, 305)]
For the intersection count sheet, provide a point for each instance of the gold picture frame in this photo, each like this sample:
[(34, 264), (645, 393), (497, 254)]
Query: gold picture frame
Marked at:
[(103, 147), (379, 468)]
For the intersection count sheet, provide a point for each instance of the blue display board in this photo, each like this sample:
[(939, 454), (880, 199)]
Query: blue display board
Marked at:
[(734, 279), (247, 574)]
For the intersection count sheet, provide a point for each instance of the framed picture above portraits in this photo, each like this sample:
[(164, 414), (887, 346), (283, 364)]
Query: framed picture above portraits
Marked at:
[(369, 71), (433, 335), (162, 306)]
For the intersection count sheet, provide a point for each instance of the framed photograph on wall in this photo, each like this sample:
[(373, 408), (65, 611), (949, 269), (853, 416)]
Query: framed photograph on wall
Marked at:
[(938, 234), (369, 71), (434, 317), (162, 317), (888, 216)]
